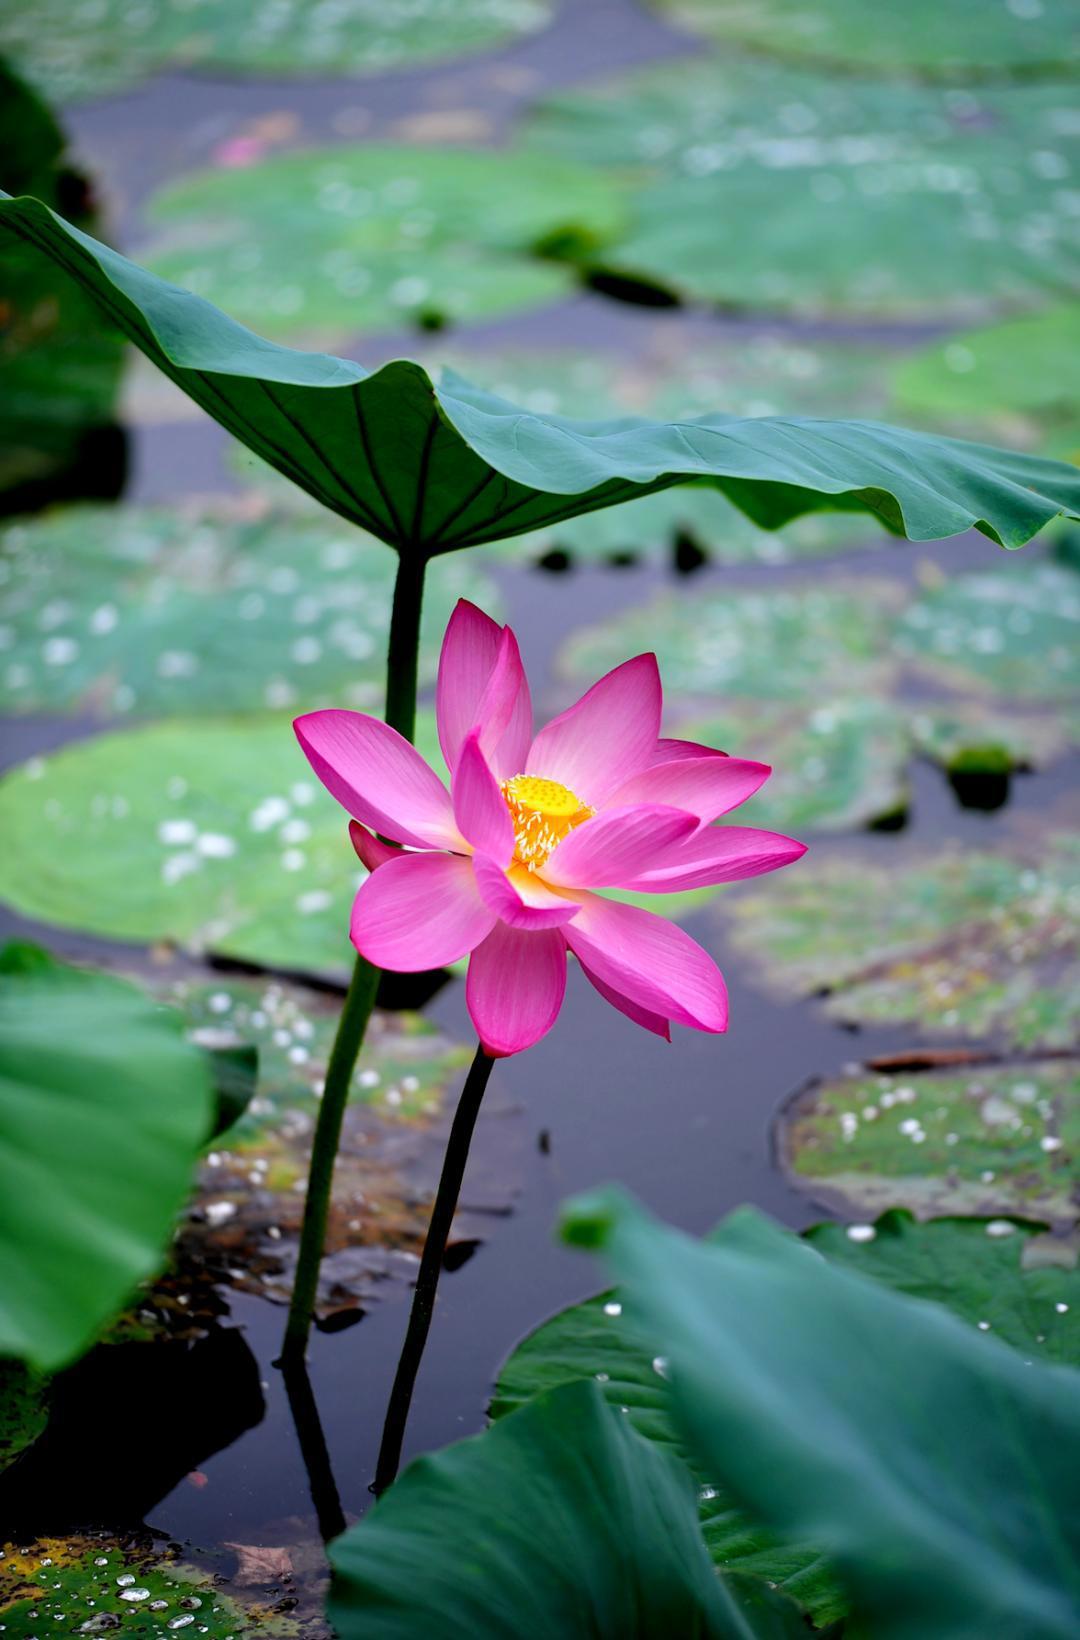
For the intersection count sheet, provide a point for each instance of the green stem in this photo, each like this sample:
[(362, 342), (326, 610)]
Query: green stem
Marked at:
[(427, 1280), (401, 669)]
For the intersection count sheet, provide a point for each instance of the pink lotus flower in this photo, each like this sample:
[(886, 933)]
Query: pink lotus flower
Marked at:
[(504, 864)]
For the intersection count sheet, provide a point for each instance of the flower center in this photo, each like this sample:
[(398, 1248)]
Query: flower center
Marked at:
[(543, 812)]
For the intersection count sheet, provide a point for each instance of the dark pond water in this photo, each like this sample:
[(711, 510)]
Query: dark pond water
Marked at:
[(687, 1127)]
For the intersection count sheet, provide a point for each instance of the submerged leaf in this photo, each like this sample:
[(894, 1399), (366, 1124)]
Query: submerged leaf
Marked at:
[(986, 1139), (430, 468)]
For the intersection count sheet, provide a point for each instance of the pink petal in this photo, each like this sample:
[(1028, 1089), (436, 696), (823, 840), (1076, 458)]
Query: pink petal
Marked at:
[(717, 854), (479, 805), (504, 715), (378, 777), (707, 786), (371, 849), (519, 898), (608, 735), (617, 844), (482, 685), (655, 1023), (515, 987), (649, 961), (669, 751), (419, 911), (469, 649)]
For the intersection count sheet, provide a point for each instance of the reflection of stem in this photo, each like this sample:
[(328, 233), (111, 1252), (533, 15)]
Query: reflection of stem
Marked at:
[(309, 1431), (401, 669), (442, 1215)]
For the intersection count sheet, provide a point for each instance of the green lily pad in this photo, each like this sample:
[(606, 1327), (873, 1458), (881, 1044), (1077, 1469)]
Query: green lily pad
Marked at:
[(244, 1224), (93, 51), (1016, 634), (1010, 1279), (775, 645), (983, 1139), (984, 944), (99, 1584), (1014, 378), (776, 187), (946, 40), (210, 833), (152, 610), (61, 360), (325, 244)]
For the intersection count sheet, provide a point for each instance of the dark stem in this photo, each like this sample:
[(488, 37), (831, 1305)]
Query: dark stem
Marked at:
[(401, 670), (427, 1281), (313, 1448)]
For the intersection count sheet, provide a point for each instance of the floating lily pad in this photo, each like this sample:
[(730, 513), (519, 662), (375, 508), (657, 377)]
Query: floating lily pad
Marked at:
[(982, 1271), (99, 1584), (1016, 634), (90, 51), (207, 833), (986, 1139), (985, 944), (775, 645), (776, 187), (245, 1222), (324, 245), (61, 360), (946, 39), (1017, 378), (152, 610)]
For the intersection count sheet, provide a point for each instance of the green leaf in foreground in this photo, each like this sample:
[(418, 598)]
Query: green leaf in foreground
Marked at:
[(983, 1138), (935, 1465), (558, 1521), (103, 1108), (1005, 1283), (431, 467), (154, 610)]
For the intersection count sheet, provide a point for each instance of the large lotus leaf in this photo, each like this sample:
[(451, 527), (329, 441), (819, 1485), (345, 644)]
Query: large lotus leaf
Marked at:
[(943, 38), (565, 1522), (103, 1107), (90, 51), (325, 244), (152, 610), (98, 1584), (1016, 634), (1005, 1281), (952, 1261), (244, 1224), (430, 468), (209, 832), (981, 1138), (781, 644), (964, 941), (61, 363), (771, 186), (24, 1409), (936, 1465)]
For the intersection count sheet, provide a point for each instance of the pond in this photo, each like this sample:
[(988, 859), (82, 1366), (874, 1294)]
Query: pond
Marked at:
[(918, 972)]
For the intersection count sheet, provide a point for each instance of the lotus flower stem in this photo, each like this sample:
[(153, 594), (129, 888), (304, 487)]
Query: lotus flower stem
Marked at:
[(427, 1281), (401, 670)]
